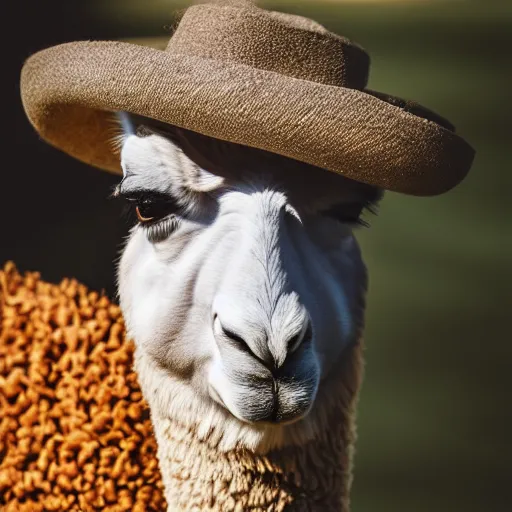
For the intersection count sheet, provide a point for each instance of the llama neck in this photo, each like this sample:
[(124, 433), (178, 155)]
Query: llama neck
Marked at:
[(314, 476)]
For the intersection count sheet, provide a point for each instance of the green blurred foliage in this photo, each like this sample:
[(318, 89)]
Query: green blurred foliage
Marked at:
[(435, 411)]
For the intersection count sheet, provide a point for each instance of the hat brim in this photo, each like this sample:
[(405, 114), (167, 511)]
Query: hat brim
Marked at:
[(70, 91)]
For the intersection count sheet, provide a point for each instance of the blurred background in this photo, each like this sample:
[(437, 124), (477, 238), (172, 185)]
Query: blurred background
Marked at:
[(435, 410)]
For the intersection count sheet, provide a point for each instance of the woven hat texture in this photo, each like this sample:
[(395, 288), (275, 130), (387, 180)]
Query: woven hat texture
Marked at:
[(273, 81)]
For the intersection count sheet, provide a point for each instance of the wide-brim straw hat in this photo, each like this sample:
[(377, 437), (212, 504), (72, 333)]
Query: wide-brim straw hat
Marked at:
[(273, 81)]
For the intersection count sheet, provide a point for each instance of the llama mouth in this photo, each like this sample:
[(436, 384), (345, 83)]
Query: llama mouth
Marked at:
[(215, 395), (273, 420)]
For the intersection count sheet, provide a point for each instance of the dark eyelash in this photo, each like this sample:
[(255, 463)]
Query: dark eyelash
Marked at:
[(342, 213), (139, 195), (367, 207), (162, 229), (371, 207)]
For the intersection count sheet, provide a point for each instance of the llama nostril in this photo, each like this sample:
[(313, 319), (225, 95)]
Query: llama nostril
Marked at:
[(293, 343), (304, 336), (233, 336), (230, 335)]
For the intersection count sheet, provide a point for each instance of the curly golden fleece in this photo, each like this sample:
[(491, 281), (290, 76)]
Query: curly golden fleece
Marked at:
[(75, 432)]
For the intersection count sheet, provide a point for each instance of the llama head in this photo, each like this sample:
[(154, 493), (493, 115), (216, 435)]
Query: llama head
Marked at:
[(241, 283)]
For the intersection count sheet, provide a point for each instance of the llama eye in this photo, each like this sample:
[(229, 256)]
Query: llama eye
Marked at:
[(140, 216), (346, 213), (157, 217), (148, 210), (157, 213)]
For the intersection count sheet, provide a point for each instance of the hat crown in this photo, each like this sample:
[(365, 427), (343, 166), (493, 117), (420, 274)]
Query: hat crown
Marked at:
[(283, 43)]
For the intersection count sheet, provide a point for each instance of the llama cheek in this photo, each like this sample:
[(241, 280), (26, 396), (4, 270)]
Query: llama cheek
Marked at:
[(340, 325), (143, 318)]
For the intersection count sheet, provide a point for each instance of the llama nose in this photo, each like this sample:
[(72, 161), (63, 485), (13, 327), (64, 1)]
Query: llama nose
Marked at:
[(270, 346), (271, 355)]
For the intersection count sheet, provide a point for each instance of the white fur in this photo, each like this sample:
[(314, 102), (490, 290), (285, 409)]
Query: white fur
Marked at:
[(245, 255)]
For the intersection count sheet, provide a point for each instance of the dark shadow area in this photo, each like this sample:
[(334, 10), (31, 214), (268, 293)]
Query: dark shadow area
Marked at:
[(59, 218)]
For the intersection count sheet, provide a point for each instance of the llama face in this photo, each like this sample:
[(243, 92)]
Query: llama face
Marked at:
[(239, 288)]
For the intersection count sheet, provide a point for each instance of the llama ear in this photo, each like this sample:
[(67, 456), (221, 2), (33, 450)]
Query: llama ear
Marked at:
[(155, 159), (197, 179)]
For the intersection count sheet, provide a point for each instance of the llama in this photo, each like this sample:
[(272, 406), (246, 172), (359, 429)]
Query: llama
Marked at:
[(243, 288)]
